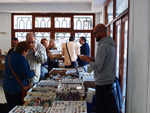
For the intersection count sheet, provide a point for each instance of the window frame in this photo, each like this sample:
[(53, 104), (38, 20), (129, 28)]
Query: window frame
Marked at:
[(53, 30)]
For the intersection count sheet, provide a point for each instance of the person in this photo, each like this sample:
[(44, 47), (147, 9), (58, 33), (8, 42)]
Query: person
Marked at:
[(84, 50), (74, 51), (44, 66), (52, 63), (36, 56), (104, 66), (20, 65), (14, 43)]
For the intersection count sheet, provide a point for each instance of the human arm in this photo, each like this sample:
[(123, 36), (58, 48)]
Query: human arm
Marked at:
[(87, 58), (40, 53), (99, 59), (24, 69)]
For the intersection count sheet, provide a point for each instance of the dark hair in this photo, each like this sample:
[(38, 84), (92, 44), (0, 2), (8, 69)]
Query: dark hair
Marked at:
[(83, 38), (71, 38), (16, 39), (22, 46)]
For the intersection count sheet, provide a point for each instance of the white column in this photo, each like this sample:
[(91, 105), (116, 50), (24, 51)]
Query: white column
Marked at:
[(138, 57)]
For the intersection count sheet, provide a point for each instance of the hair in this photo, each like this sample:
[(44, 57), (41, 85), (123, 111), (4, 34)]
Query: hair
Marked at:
[(16, 39), (22, 46), (53, 43), (83, 38), (71, 38), (43, 39)]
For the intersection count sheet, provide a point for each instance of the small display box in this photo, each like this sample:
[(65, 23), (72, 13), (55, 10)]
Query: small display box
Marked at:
[(55, 54), (30, 109), (73, 88), (69, 107), (37, 90), (55, 71)]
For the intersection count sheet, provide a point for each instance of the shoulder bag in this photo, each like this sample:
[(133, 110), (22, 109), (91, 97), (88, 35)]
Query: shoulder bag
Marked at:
[(73, 63), (24, 88)]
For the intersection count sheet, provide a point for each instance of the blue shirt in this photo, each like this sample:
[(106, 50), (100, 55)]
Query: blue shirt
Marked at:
[(21, 67), (84, 50)]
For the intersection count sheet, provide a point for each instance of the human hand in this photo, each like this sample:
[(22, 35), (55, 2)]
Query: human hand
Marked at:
[(34, 71), (5, 53), (92, 59), (85, 58), (33, 49)]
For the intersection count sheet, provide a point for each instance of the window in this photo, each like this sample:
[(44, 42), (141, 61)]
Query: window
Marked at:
[(83, 22), (62, 22), (110, 11), (54, 26), (23, 22), (121, 6), (42, 22)]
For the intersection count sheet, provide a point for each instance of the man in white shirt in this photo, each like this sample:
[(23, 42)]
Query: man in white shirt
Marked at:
[(36, 55), (74, 51)]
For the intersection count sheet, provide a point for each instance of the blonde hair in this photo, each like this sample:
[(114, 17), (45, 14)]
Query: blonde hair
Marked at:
[(54, 46)]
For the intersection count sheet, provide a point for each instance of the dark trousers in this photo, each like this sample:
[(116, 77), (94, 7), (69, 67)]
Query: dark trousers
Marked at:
[(12, 100), (51, 65), (106, 100)]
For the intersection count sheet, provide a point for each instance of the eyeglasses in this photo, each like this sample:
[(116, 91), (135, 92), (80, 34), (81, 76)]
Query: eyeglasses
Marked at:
[(31, 42), (96, 32)]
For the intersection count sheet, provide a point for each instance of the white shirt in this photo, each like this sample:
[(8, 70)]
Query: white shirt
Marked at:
[(36, 59), (74, 51)]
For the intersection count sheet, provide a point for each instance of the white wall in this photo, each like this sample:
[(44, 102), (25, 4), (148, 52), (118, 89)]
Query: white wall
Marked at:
[(138, 65), (45, 7), (148, 99), (5, 26), (99, 19)]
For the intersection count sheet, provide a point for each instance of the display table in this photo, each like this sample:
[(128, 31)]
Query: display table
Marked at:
[(89, 84)]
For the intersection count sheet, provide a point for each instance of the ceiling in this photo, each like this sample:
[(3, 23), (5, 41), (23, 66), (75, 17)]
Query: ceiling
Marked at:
[(94, 5), (49, 1)]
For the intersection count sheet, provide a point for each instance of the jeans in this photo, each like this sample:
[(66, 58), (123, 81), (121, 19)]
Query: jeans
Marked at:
[(12, 100), (44, 71)]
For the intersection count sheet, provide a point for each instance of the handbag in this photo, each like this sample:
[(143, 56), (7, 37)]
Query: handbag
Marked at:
[(73, 63), (24, 88)]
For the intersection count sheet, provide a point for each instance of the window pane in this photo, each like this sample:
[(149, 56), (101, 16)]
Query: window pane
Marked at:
[(125, 64), (23, 22), (118, 49), (87, 35), (121, 5), (110, 12), (62, 22), (43, 22), (83, 22), (21, 36), (111, 30), (40, 35), (61, 38)]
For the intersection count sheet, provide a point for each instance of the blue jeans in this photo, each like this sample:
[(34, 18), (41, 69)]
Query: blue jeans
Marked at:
[(12, 100), (44, 71)]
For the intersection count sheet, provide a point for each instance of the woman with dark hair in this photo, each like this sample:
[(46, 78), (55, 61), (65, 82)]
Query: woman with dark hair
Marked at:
[(20, 66)]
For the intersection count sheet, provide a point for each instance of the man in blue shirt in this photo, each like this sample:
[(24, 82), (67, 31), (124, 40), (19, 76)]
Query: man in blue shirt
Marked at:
[(84, 50)]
